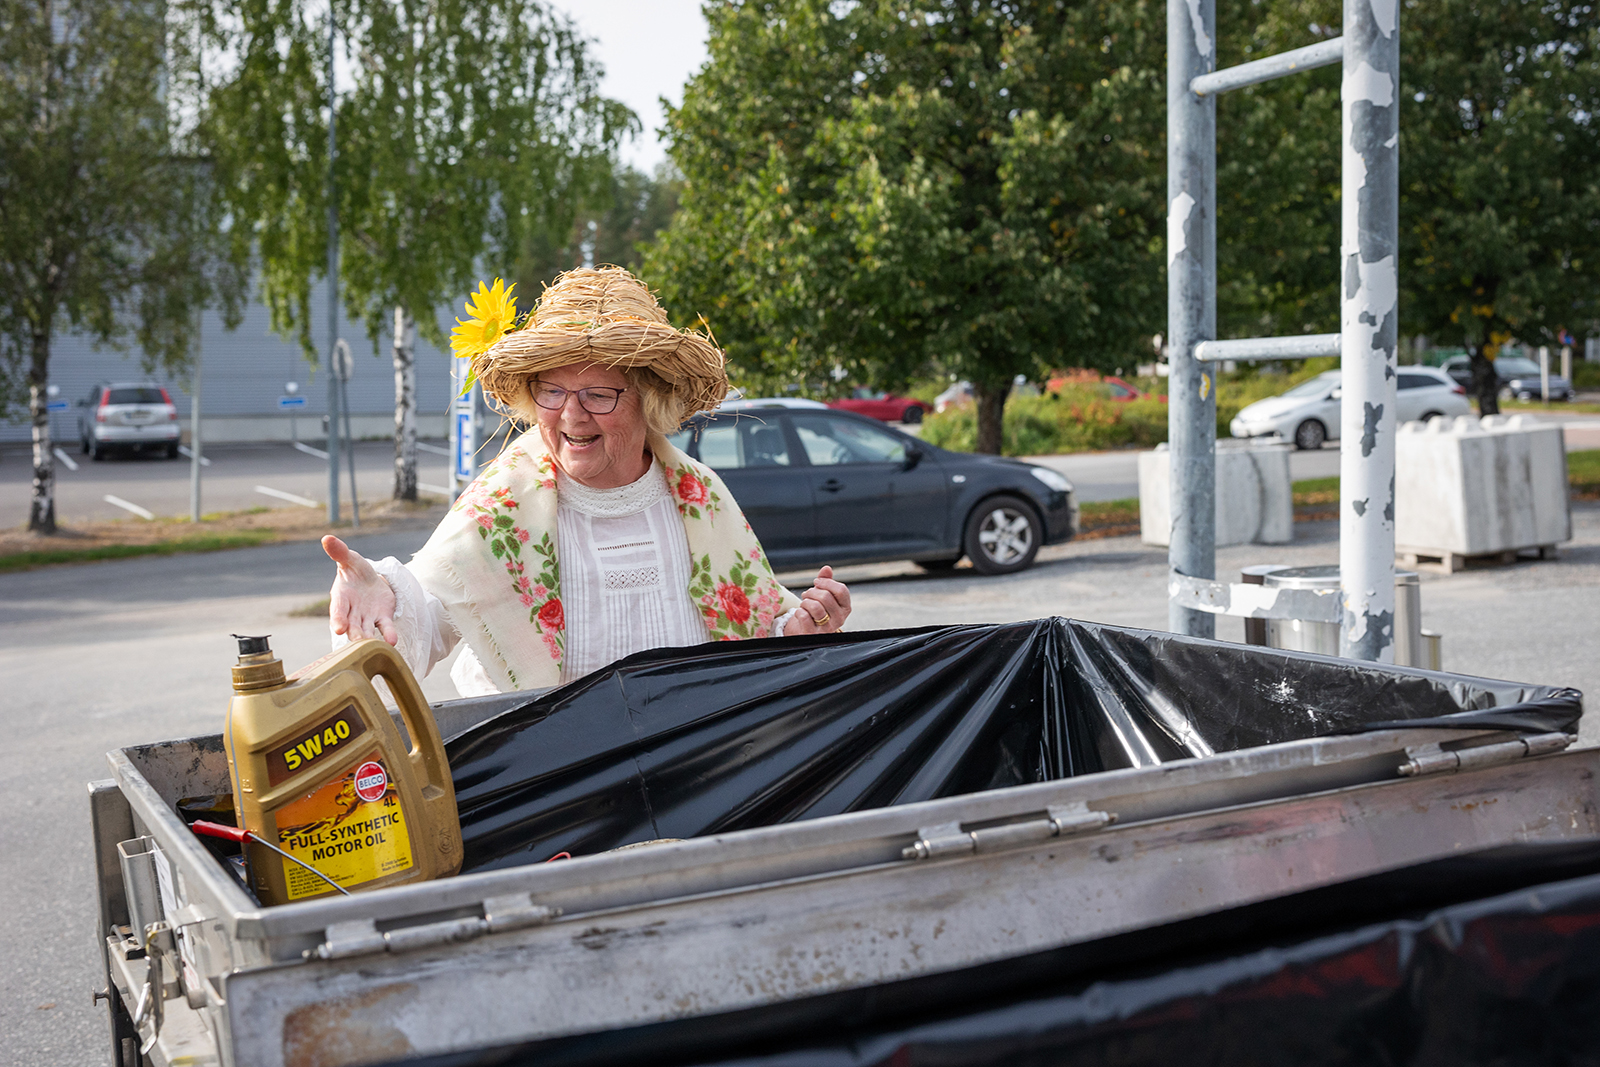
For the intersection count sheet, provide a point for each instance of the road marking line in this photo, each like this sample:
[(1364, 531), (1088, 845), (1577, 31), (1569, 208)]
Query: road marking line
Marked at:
[(308, 450), (439, 489), (423, 446), (63, 457), (290, 497), (121, 503), (184, 450)]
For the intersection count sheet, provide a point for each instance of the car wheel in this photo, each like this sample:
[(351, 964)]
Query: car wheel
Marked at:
[(1309, 435), (83, 445), (938, 566), (1429, 416), (1003, 535), (97, 451), (912, 415), (172, 450)]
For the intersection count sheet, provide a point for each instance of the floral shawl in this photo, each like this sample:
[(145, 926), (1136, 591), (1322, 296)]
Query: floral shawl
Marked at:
[(493, 565)]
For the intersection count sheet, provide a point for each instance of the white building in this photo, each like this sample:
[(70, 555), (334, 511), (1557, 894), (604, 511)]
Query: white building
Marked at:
[(244, 374)]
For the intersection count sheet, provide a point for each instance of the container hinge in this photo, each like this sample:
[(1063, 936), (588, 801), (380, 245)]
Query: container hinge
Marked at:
[(361, 937), (1433, 759), (949, 839)]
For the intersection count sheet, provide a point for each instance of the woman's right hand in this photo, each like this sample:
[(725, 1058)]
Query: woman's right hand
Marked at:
[(360, 604)]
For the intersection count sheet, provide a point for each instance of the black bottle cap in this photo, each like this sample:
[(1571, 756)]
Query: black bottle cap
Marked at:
[(253, 646)]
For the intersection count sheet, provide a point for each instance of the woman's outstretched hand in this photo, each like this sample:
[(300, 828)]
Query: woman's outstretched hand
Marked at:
[(823, 607), (360, 604)]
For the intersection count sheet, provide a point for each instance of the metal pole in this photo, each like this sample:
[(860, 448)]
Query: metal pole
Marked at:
[(333, 298), (194, 424), (1369, 241), (1544, 374), (346, 363), (1191, 301)]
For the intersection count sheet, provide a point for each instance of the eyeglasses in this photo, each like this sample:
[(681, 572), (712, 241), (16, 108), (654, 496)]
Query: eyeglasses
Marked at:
[(596, 401)]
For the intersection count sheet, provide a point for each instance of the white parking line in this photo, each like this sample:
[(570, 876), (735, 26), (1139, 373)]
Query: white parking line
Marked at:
[(308, 450), (183, 450), (441, 490), (423, 446), (290, 497), (64, 458), (124, 505)]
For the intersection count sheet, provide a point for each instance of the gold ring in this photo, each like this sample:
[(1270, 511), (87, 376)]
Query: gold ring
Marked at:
[(822, 621)]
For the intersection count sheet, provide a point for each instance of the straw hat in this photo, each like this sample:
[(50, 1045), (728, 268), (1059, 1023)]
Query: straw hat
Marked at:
[(604, 315)]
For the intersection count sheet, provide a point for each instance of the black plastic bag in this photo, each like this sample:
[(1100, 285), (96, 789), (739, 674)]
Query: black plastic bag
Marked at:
[(685, 742)]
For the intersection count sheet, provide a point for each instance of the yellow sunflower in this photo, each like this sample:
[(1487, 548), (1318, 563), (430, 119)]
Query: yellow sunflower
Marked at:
[(490, 313)]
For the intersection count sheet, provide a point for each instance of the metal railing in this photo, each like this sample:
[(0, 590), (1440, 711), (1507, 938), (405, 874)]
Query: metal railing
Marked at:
[(1369, 51)]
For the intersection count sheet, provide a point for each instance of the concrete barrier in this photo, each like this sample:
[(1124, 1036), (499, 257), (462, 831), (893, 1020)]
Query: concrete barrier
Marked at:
[(1469, 487), (1255, 494)]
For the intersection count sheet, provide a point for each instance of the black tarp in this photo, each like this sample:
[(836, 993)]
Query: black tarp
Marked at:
[(714, 738)]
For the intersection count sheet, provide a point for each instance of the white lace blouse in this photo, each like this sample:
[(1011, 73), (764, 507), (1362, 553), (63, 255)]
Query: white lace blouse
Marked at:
[(624, 586)]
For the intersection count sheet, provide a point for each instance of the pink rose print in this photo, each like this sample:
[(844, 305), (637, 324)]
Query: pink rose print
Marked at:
[(735, 605), (527, 601), (522, 535), (692, 490)]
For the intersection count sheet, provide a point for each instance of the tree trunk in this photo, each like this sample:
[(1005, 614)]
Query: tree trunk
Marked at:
[(405, 406), (1485, 381), (42, 515), (991, 404)]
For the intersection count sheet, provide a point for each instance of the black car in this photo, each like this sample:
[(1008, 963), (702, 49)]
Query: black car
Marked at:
[(1519, 377), (828, 487)]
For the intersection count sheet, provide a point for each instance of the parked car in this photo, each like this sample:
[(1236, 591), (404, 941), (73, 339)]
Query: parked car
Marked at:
[(885, 407), (1519, 377), (1308, 414), (832, 487), (961, 393), (127, 417), (1110, 387)]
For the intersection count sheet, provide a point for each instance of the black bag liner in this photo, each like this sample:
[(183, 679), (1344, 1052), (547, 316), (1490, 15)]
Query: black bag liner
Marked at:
[(684, 742)]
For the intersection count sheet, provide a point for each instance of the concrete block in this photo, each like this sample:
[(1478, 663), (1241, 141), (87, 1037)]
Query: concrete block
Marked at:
[(1471, 487), (1255, 494)]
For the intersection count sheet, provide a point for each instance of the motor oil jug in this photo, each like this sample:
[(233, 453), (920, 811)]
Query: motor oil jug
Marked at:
[(321, 771)]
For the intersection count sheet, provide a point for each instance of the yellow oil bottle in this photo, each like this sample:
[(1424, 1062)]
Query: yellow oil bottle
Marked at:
[(321, 771)]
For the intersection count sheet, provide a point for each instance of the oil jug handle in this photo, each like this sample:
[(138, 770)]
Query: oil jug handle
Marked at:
[(427, 748)]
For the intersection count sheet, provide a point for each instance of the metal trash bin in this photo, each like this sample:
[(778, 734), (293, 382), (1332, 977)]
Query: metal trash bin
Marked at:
[(1299, 635)]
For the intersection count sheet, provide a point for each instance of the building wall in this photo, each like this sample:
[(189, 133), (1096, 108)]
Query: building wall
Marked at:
[(243, 374)]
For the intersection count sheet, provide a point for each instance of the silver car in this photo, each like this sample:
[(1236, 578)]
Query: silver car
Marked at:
[(128, 417), (1308, 414)]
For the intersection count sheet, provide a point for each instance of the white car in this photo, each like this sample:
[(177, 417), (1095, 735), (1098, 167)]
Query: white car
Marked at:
[(1308, 414)]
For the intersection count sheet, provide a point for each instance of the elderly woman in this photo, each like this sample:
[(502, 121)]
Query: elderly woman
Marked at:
[(589, 537)]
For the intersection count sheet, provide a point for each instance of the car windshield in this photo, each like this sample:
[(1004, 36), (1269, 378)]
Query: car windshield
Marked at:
[(1318, 385), (1515, 367), (135, 394)]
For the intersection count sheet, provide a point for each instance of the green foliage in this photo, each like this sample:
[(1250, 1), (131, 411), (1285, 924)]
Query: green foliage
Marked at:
[(1077, 419), (27, 559), (1583, 472), (890, 188), (472, 127), (625, 213)]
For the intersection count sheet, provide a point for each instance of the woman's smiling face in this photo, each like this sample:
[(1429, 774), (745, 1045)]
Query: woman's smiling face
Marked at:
[(600, 451)]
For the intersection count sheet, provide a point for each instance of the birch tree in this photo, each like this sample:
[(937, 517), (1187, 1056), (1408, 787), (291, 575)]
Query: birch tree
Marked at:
[(466, 126), (105, 221)]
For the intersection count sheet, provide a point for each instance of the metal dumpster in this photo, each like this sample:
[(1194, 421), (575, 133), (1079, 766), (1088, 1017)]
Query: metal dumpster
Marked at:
[(854, 812)]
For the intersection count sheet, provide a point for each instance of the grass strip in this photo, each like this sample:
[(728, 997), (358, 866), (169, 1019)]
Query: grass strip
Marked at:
[(29, 558), (1583, 472)]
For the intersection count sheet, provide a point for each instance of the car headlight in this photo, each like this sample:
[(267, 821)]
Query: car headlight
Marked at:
[(1052, 479)]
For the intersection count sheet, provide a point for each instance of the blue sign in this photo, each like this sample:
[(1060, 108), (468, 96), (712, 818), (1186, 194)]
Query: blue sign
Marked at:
[(286, 403), (465, 447), (57, 405)]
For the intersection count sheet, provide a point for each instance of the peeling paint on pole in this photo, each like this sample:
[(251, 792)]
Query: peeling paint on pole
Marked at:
[(1191, 302), (1370, 227)]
